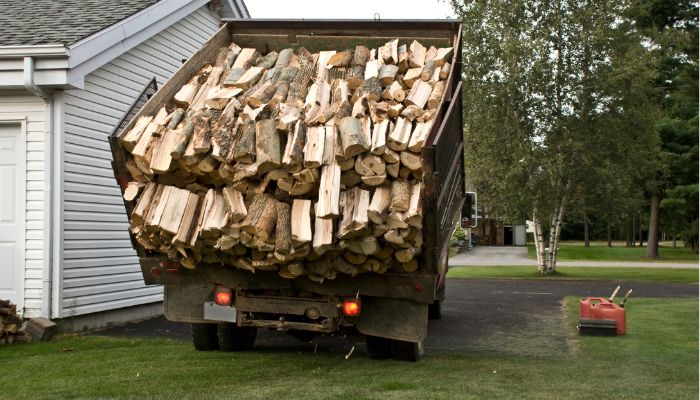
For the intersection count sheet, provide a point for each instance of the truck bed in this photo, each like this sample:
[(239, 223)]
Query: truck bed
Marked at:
[(442, 155)]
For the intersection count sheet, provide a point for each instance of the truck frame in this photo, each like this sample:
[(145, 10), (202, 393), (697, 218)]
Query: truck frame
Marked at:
[(394, 308)]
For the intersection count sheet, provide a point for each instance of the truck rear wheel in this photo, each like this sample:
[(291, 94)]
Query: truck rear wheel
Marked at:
[(407, 351), (435, 310), (236, 338), (378, 348), (204, 337)]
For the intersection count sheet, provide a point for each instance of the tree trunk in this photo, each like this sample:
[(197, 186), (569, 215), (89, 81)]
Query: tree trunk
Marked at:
[(554, 240), (586, 241), (674, 241), (653, 241), (539, 245), (633, 233), (610, 234), (641, 231)]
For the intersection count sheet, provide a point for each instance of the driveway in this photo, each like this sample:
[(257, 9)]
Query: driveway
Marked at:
[(511, 255), (521, 317)]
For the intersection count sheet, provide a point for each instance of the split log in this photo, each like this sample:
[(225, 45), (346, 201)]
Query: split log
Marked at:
[(435, 98), (414, 214), (354, 204), (403, 58), (245, 148), (132, 137), (174, 211), (132, 190), (263, 95), (379, 137), (411, 160), (400, 195), (267, 61), (283, 58), (283, 230), (218, 98), (340, 59), (442, 55), (371, 88), (399, 137), (445, 70), (261, 218), (387, 73), (301, 222), (294, 151), (329, 192), (394, 92), (411, 76), (314, 147), (379, 205), (417, 55), (236, 205), (371, 69), (323, 235), (419, 94), (420, 133), (352, 137), (267, 146)]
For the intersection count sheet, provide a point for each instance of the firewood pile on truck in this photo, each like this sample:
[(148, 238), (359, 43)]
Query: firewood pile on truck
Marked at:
[(284, 175)]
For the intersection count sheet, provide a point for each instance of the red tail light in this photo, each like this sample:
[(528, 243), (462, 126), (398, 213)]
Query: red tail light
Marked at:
[(352, 307), (222, 296)]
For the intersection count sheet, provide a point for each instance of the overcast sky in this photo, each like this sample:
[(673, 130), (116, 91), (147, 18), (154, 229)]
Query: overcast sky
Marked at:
[(353, 9)]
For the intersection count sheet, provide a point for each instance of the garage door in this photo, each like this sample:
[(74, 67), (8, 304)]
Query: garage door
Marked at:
[(12, 208)]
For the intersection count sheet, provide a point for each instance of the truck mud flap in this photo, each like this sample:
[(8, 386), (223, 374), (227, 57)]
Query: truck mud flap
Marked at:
[(184, 301), (393, 319)]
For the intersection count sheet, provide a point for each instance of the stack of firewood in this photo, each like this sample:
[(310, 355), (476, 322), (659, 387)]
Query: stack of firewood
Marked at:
[(301, 163), (11, 325)]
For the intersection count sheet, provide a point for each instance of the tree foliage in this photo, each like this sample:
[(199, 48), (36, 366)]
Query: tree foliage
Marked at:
[(557, 107), (671, 28)]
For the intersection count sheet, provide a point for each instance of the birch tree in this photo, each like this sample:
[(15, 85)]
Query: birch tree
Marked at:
[(542, 78)]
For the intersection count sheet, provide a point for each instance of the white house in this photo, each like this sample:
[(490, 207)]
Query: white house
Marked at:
[(69, 71)]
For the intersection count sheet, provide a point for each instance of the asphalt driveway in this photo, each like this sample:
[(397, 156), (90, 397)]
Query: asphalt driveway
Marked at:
[(522, 317)]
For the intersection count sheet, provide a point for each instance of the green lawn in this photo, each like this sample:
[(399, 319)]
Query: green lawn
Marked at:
[(657, 360), (600, 252), (677, 275)]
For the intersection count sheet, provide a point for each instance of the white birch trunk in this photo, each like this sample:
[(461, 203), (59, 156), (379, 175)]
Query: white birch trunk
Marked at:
[(539, 244)]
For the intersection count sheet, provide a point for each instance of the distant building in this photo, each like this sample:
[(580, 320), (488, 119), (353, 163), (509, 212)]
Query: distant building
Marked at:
[(494, 232)]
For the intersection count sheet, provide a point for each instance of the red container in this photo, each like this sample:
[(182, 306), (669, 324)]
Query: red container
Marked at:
[(602, 309)]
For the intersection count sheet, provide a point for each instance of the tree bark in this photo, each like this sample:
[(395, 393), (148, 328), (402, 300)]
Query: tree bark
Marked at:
[(653, 241), (539, 244), (610, 234)]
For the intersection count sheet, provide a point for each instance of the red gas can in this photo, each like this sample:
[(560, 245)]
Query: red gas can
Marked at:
[(597, 308)]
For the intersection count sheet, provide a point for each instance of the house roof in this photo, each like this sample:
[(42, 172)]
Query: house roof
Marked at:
[(41, 22)]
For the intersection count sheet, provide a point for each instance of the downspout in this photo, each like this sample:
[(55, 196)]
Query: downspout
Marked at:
[(47, 266)]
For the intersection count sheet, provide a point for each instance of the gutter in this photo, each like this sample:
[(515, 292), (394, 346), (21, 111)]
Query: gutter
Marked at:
[(47, 264), (41, 50)]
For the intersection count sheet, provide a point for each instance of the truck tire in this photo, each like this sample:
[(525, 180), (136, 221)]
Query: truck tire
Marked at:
[(435, 310), (236, 338), (204, 337), (378, 348), (407, 351)]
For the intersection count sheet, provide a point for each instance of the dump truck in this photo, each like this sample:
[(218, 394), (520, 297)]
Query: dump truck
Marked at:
[(226, 305)]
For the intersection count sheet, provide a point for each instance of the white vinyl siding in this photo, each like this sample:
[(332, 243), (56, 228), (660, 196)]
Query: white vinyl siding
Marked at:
[(24, 105), (100, 269), (234, 9)]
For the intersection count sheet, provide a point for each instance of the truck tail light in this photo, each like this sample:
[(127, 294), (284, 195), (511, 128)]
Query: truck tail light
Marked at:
[(352, 307), (222, 296)]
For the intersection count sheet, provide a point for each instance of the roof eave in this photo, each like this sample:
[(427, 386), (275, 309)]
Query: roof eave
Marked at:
[(39, 50)]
